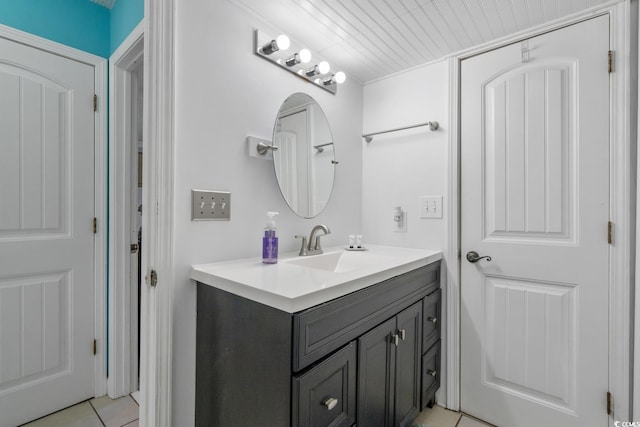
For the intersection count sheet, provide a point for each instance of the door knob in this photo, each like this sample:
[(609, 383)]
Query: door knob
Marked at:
[(473, 257)]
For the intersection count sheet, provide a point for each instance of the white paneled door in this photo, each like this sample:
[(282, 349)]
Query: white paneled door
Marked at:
[(535, 198), (46, 233)]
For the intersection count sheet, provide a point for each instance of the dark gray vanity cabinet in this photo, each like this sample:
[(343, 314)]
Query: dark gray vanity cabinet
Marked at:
[(389, 359), (357, 360)]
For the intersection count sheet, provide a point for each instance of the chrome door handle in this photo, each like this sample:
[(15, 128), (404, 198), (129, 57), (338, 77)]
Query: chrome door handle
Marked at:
[(395, 339), (473, 257), (330, 402)]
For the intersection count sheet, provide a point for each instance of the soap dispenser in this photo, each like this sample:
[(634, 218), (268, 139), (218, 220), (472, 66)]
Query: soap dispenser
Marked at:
[(270, 240)]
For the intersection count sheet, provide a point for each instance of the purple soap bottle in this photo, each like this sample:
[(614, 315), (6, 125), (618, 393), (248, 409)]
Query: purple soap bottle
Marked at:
[(270, 241)]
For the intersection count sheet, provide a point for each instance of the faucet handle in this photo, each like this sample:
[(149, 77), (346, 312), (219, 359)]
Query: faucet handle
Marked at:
[(303, 249)]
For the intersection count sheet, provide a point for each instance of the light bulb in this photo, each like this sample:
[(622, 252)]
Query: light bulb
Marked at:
[(340, 77), (324, 67), (283, 42), (305, 56), (329, 81)]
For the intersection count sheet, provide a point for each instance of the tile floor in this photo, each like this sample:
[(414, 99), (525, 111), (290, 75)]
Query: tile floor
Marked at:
[(123, 412), (98, 412), (441, 417)]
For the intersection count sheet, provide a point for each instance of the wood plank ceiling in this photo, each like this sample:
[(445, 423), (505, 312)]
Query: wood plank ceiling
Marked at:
[(370, 39)]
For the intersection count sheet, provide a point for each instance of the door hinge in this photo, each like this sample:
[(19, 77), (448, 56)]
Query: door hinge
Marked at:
[(610, 59), (95, 347), (153, 278), (609, 403), (95, 225), (95, 102), (610, 232)]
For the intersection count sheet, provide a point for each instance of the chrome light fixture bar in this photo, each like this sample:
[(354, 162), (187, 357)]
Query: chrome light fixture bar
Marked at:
[(289, 56)]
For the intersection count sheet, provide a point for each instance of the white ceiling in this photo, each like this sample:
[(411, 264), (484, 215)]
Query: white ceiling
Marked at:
[(370, 39)]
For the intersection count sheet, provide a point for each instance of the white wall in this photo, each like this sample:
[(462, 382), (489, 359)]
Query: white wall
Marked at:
[(400, 167), (224, 93)]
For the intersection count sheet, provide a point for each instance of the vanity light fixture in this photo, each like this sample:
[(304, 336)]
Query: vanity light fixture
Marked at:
[(271, 49)]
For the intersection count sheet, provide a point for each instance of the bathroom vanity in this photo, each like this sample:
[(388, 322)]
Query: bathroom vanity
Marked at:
[(355, 342)]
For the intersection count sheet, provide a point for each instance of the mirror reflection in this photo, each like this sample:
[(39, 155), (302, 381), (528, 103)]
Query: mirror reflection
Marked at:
[(305, 159)]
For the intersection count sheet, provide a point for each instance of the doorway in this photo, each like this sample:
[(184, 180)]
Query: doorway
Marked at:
[(125, 207)]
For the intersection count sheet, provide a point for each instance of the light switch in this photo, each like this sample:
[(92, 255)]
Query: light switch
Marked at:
[(430, 207), (210, 205)]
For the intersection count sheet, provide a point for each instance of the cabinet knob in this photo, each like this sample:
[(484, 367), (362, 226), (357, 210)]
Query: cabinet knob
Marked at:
[(433, 320), (403, 334), (395, 338), (330, 403), (432, 373)]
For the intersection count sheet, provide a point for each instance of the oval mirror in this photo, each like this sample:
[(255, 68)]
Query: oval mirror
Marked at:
[(304, 160)]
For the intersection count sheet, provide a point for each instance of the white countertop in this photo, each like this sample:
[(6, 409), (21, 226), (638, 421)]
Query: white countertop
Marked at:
[(291, 287)]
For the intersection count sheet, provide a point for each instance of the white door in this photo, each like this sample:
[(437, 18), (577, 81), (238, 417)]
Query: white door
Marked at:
[(535, 197), (46, 234)]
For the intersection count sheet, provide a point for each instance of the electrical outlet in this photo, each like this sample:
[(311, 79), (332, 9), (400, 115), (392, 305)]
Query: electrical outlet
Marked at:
[(210, 205), (430, 207), (399, 219)]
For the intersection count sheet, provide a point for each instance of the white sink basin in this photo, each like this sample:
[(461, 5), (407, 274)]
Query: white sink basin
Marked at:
[(341, 262)]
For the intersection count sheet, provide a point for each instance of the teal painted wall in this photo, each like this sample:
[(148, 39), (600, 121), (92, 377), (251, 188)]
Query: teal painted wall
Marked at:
[(125, 15), (81, 24), (77, 23)]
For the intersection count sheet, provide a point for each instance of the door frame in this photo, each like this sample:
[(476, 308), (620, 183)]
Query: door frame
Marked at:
[(121, 133), (622, 204), (100, 181), (158, 146)]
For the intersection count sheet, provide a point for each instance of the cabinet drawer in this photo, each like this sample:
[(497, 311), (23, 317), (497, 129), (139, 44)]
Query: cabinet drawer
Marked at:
[(326, 394), (322, 329), (431, 319), (430, 374)]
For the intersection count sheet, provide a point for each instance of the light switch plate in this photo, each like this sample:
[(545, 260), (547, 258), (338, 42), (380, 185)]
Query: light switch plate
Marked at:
[(207, 205), (430, 207)]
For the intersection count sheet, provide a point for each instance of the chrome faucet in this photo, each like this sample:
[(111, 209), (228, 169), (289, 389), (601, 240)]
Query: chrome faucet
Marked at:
[(313, 248)]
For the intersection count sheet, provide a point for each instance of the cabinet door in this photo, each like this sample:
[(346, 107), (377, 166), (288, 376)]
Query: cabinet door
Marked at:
[(408, 359), (325, 396), (431, 315), (430, 375), (376, 361)]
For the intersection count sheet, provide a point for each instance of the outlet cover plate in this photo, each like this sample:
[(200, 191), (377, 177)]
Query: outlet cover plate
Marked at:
[(207, 205), (430, 207)]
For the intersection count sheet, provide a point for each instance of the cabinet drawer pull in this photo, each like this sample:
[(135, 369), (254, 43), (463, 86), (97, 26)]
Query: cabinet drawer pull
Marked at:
[(403, 334), (395, 338), (433, 320), (330, 403), (432, 373)]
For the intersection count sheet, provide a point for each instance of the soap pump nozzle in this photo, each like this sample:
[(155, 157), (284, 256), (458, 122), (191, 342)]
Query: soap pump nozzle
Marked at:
[(271, 223)]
